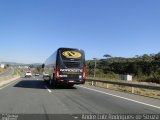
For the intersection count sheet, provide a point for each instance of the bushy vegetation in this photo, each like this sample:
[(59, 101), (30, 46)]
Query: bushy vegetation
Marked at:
[(143, 68), (2, 70)]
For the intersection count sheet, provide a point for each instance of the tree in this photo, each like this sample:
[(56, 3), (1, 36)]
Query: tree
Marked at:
[(157, 56), (145, 57), (7, 65), (107, 56), (137, 56), (132, 68)]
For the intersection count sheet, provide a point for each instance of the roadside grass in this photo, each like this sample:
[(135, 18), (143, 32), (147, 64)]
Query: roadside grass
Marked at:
[(138, 91), (5, 78), (2, 70), (14, 75)]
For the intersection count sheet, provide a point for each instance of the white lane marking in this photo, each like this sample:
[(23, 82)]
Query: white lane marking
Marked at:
[(158, 107), (8, 84), (75, 117), (48, 89)]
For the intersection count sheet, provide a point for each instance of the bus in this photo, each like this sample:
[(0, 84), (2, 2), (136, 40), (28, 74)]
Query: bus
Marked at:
[(66, 66)]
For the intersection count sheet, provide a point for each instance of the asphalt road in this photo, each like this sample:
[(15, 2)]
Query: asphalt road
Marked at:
[(33, 96), (9, 72)]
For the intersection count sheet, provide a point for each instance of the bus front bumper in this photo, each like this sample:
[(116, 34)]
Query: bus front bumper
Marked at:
[(70, 81)]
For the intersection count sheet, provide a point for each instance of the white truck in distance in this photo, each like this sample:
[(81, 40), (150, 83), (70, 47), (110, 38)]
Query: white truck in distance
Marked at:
[(28, 74)]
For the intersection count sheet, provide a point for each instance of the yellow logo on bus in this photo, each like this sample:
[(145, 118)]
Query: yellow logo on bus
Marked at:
[(71, 54)]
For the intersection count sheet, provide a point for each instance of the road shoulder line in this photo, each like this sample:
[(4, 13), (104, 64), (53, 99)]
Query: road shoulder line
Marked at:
[(158, 107), (9, 83)]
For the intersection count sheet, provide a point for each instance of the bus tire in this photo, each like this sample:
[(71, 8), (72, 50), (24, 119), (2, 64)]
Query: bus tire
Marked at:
[(50, 82)]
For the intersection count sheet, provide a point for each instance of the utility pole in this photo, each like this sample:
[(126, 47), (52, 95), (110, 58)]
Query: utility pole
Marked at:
[(95, 66)]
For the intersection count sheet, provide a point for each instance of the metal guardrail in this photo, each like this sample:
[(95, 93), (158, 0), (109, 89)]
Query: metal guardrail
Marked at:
[(133, 85)]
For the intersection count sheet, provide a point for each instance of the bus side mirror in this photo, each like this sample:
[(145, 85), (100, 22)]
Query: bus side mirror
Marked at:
[(43, 65)]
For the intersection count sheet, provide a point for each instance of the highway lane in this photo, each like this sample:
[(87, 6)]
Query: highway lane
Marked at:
[(33, 96)]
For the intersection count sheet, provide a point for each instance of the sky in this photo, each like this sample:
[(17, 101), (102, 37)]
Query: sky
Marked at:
[(31, 30)]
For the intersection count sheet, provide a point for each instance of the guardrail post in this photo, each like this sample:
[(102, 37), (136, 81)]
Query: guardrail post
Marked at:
[(132, 90), (107, 85), (132, 85), (95, 83), (92, 83)]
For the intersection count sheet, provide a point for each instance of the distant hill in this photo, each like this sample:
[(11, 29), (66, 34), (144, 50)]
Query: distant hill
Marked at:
[(20, 64)]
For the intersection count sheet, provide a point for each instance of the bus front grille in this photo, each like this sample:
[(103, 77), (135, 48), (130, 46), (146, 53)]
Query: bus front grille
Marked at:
[(72, 64)]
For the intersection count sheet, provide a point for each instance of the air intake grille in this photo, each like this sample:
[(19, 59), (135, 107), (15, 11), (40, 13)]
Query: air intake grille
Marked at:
[(72, 64)]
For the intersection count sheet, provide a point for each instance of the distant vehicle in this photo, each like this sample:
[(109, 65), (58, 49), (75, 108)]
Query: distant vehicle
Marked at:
[(36, 74), (28, 74), (66, 66)]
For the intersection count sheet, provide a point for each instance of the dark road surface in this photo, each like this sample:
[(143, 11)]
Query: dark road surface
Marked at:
[(33, 96)]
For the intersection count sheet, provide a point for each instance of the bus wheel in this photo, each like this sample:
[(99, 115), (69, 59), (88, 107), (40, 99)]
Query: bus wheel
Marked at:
[(50, 82)]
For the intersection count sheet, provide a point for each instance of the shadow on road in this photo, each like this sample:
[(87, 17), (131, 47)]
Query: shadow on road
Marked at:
[(35, 84), (40, 84), (60, 87)]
